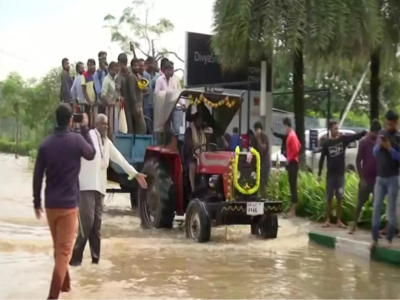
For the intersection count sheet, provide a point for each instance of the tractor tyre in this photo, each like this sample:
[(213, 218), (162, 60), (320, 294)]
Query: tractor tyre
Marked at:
[(268, 226), (157, 203), (254, 225), (197, 222)]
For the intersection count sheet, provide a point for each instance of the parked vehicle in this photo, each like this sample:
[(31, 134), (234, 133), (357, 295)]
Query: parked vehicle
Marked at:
[(226, 183), (313, 157)]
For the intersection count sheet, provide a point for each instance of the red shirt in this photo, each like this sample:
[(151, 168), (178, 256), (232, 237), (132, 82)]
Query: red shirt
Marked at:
[(292, 147)]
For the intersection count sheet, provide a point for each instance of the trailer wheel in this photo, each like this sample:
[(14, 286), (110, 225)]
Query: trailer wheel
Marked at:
[(254, 225), (157, 203), (268, 226), (134, 199), (197, 222)]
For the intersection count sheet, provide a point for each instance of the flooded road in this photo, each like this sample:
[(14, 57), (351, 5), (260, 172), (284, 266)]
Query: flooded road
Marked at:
[(138, 263)]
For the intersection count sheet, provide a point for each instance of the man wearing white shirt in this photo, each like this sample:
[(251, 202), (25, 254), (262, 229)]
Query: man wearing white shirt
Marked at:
[(165, 82), (93, 183)]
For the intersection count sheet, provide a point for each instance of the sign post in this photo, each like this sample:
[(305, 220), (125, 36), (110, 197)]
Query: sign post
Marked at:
[(313, 141)]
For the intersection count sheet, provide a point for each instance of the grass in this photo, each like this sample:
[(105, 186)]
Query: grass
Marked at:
[(311, 197)]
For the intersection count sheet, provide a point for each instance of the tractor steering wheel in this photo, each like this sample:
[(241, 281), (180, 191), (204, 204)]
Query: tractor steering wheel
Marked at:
[(199, 149)]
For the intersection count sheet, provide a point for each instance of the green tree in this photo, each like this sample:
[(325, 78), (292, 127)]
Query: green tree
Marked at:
[(13, 102), (321, 31), (130, 27), (385, 53), (43, 99)]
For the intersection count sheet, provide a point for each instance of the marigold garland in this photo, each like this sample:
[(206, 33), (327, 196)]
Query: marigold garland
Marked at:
[(246, 190), (197, 101)]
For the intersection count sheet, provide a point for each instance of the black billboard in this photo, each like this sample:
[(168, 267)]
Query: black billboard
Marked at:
[(202, 67)]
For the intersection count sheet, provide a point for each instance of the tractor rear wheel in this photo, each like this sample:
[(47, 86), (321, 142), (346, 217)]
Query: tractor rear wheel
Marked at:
[(157, 203), (268, 226), (197, 222)]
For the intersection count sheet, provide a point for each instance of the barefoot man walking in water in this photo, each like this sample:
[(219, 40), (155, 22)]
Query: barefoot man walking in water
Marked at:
[(59, 157), (334, 149)]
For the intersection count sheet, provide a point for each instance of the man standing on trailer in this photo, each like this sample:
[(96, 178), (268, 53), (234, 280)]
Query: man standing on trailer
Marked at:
[(134, 103), (66, 82), (120, 88), (93, 183), (109, 95), (334, 149), (76, 89), (88, 89)]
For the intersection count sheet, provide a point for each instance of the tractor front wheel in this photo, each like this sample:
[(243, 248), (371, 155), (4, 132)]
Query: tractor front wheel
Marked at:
[(157, 203), (197, 222)]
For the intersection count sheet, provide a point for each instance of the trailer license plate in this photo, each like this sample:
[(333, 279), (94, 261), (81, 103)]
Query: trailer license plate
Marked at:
[(255, 208)]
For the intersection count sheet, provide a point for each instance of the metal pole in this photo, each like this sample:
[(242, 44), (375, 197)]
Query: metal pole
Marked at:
[(353, 97), (240, 115), (329, 112), (248, 105)]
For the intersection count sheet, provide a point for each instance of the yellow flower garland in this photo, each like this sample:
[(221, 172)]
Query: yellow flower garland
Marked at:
[(201, 98), (246, 190)]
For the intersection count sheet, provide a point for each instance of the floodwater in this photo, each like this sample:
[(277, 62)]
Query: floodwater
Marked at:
[(138, 263)]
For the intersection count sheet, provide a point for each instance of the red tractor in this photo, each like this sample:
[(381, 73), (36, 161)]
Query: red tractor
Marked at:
[(226, 183)]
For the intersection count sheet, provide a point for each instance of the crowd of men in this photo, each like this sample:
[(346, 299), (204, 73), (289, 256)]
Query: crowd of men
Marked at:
[(378, 162), (117, 85)]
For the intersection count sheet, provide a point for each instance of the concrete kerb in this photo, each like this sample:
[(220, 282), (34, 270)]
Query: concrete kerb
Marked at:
[(358, 248)]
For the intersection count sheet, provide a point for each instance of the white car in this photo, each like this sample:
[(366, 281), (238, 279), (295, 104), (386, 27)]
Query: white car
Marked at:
[(312, 158)]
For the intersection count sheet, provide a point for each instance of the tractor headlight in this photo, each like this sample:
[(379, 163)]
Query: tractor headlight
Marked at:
[(253, 175)]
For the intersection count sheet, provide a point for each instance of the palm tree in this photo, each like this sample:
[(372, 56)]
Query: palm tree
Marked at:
[(321, 31), (384, 54)]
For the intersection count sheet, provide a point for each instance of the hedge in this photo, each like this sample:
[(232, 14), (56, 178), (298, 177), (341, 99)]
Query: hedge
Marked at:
[(311, 197), (7, 146)]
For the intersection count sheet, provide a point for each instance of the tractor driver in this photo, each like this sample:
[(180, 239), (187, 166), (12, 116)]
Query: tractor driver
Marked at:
[(195, 143)]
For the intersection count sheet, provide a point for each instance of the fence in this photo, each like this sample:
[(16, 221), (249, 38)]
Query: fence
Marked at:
[(8, 128)]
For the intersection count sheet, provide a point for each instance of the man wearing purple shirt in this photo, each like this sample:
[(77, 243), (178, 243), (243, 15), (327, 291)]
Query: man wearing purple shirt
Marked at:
[(367, 168), (59, 157)]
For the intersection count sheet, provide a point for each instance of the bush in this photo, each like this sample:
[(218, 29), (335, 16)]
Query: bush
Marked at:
[(7, 146), (311, 197)]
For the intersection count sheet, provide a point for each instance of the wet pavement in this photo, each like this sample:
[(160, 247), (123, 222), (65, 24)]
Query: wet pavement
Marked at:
[(137, 263)]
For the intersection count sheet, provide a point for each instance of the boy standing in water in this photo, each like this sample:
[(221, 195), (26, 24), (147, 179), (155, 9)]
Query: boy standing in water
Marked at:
[(334, 150)]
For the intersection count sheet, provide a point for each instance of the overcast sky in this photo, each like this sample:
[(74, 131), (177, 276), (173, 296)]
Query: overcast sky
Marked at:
[(36, 34)]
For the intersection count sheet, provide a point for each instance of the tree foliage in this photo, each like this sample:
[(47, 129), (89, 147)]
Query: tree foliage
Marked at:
[(332, 31), (134, 26)]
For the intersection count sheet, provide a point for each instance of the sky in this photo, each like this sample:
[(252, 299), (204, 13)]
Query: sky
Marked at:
[(36, 34)]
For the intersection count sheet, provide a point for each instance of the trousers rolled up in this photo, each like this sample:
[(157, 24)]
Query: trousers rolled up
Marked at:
[(90, 214), (63, 224), (389, 188)]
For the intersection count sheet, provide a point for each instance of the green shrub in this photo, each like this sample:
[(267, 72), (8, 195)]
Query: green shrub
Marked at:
[(7, 146), (311, 197)]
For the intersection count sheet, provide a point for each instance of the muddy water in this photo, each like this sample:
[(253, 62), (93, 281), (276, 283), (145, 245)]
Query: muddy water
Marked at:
[(162, 264)]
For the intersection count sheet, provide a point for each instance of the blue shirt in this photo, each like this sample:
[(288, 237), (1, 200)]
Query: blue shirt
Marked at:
[(148, 94), (99, 76), (76, 90), (234, 141)]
